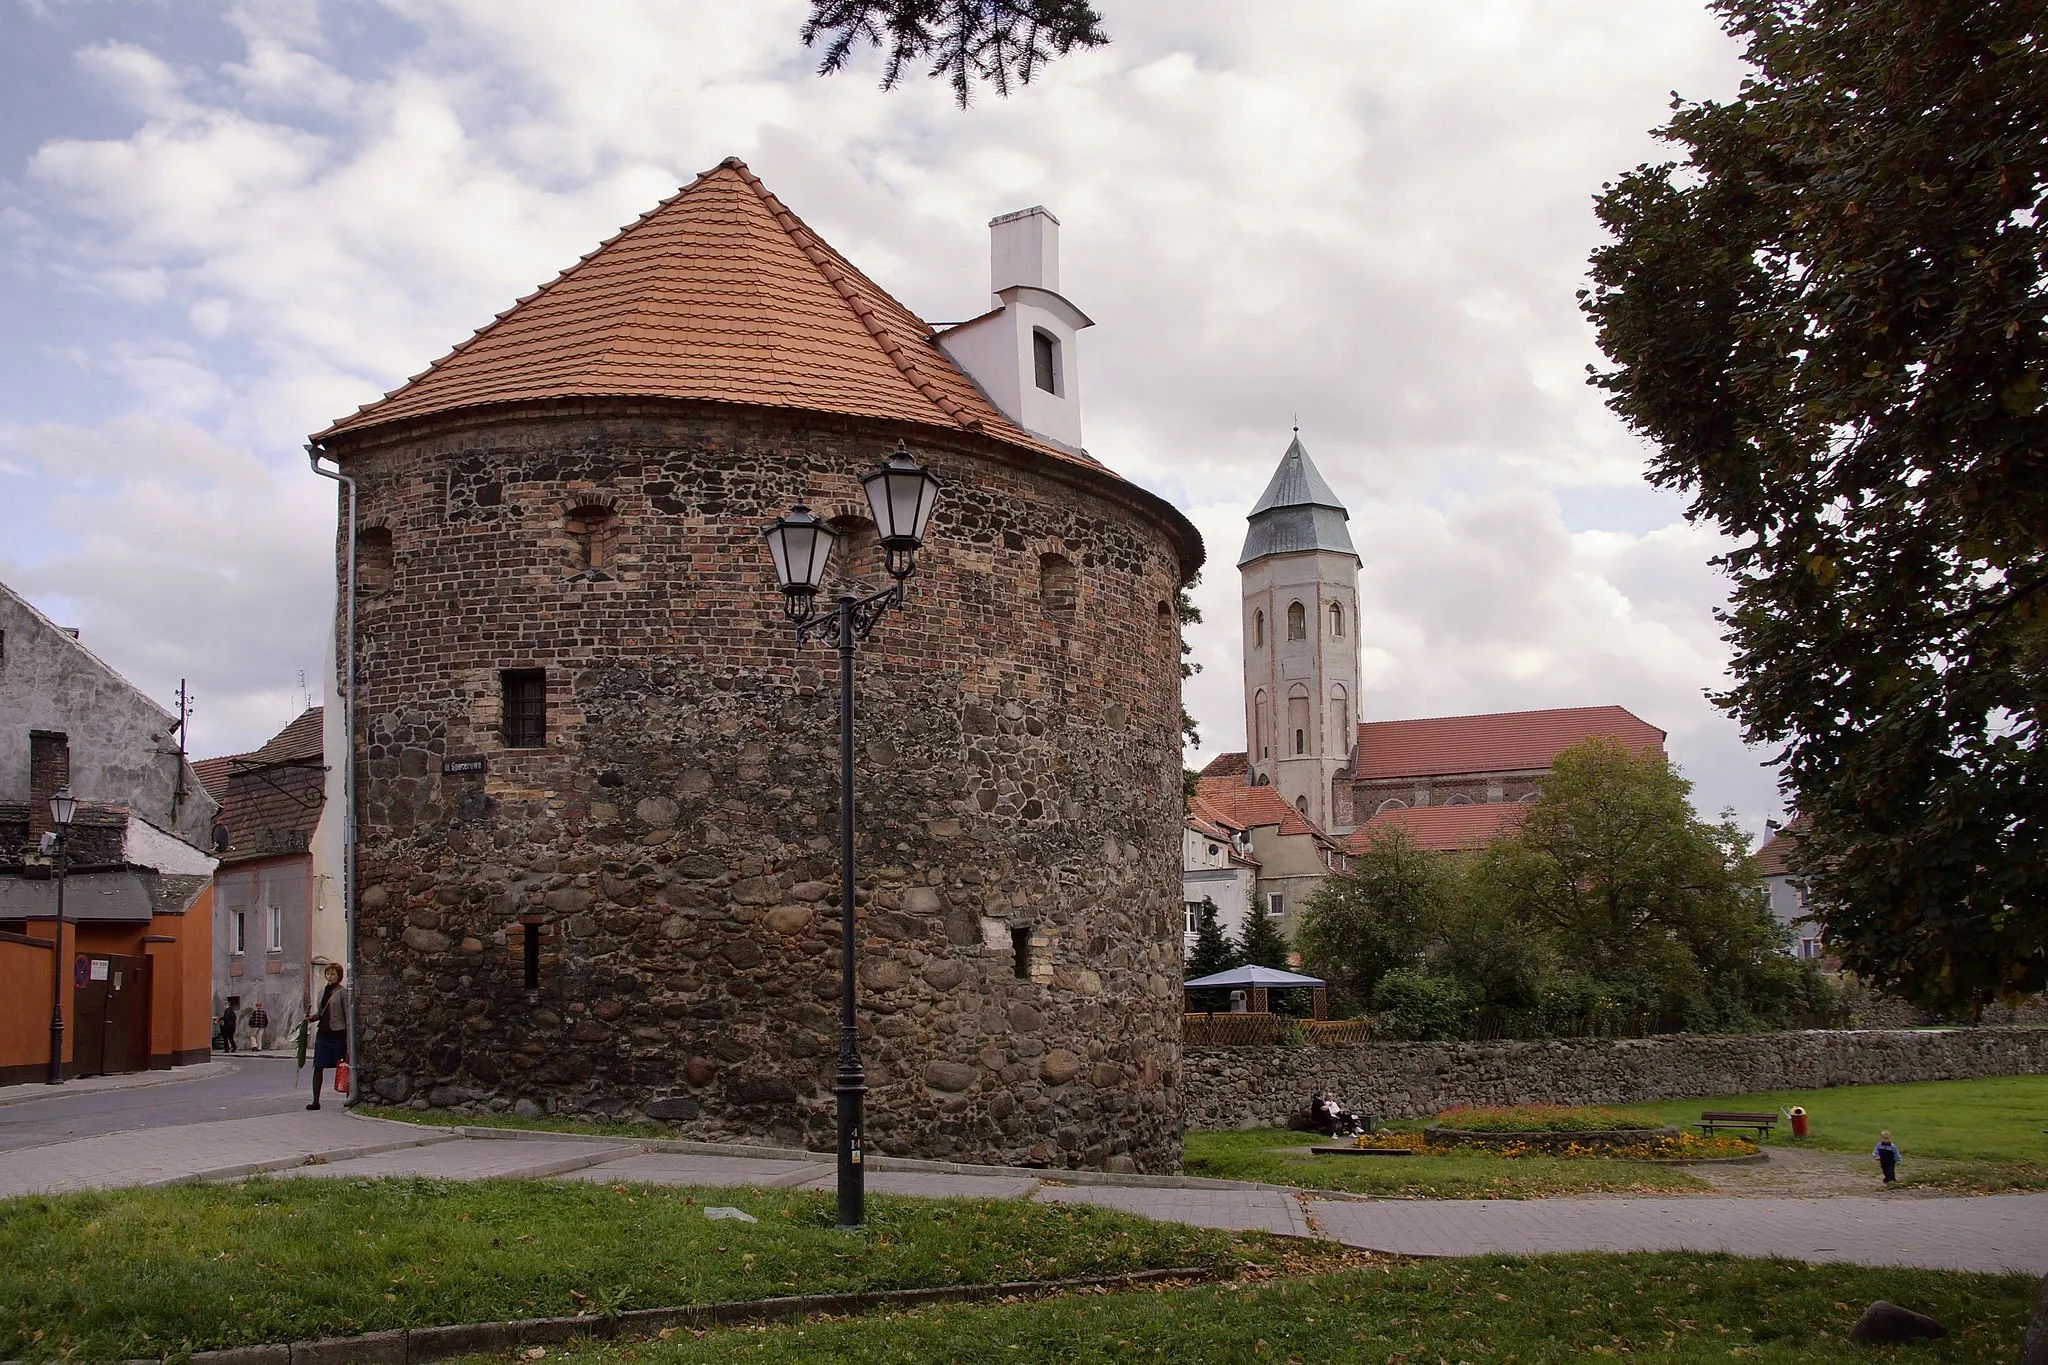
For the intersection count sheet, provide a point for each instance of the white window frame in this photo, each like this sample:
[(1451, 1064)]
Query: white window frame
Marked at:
[(276, 927), (238, 932)]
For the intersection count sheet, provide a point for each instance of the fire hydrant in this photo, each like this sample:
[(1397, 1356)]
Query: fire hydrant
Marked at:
[(1798, 1117)]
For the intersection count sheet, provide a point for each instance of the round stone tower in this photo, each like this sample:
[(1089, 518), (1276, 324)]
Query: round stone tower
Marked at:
[(597, 777)]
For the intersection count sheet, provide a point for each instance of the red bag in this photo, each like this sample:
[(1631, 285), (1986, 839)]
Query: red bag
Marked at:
[(341, 1077)]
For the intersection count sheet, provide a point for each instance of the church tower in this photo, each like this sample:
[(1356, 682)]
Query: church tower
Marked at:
[(1300, 582)]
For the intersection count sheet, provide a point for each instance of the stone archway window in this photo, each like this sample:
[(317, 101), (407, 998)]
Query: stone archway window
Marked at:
[(375, 562), (594, 529), (1391, 803), (1297, 621), (1059, 588)]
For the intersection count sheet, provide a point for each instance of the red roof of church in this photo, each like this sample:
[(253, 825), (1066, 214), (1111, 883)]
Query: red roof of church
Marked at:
[(718, 293), (1443, 829), (1230, 799), (1227, 765), (1506, 741)]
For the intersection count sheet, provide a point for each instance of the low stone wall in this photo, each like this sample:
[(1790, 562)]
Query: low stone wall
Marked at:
[(1254, 1087)]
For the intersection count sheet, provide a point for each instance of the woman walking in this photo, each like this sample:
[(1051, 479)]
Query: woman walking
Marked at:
[(330, 1030)]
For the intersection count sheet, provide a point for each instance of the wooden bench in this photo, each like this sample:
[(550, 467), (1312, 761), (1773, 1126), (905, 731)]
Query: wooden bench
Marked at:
[(1714, 1120)]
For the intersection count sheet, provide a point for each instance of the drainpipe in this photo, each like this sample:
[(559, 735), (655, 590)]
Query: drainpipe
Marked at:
[(315, 454)]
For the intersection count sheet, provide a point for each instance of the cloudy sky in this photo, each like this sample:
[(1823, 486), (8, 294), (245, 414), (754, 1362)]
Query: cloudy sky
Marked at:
[(224, 224)]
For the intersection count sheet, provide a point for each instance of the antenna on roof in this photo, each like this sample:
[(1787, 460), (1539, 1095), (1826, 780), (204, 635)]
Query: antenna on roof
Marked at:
[(305, 692)]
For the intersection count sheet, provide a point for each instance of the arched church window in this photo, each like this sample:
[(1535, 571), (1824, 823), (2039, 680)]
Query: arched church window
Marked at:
[(1298, 719), (593, 530), (1459, 800), (1301, 804), (1262, 746), (1337, 619), (1340, 718), (374, 561), (1297, 621), (1258, 630), (1391, 803), (1529, 798)]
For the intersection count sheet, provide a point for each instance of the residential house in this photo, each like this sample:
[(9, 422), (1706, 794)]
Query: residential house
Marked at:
[(131, 963), (1217, 865), (266, 893)]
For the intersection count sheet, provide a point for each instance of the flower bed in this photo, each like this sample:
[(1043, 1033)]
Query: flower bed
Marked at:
[(1541, 1118), (1554, 1143)]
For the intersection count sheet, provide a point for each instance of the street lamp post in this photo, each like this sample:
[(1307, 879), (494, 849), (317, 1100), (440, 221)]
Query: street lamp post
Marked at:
[(63, 809), (901, 496)]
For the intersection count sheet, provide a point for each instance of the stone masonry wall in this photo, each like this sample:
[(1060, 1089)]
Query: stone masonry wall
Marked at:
[(1253, 1087), (674, 841)]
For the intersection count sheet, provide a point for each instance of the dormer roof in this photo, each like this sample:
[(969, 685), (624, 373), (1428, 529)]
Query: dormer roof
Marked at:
[(1298, 512)]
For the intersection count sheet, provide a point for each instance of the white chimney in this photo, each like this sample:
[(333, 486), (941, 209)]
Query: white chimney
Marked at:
[(1024, 248), (1021, 353)]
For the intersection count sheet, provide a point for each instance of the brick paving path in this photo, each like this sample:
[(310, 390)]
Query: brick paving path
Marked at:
[(1997, 1232)]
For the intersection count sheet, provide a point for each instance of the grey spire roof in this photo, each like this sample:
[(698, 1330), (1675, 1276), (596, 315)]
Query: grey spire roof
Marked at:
[(1296, 513)]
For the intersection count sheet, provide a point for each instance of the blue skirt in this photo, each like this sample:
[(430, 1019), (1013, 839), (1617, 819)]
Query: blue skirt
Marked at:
[(329, 1049)]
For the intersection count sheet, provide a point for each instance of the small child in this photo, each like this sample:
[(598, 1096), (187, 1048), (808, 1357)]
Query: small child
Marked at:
[(1887, 1156)]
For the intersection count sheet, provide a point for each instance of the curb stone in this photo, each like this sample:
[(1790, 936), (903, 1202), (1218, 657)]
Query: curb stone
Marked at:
[(419, 1344)]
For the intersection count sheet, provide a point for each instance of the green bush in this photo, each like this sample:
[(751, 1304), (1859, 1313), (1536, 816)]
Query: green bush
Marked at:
[(1417, 1008)]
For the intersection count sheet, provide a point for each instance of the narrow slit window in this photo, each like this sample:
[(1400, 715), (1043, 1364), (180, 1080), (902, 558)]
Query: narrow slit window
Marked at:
[(526, 708), (1259, 630), (1045, 361), (1020, 952), (275, 942), (1301, 741), (241, 932), (531, 937), (1337, 619)]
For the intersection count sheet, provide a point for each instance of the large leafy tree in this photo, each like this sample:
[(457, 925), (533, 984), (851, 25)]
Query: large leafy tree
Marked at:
[(1829, 317), (966, 41), (1377, 916)]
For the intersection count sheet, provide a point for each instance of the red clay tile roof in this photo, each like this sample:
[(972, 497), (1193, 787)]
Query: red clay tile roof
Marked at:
[(1507, 741), (1443, 829), (270, 799), (1229, 799), (718, 293), (1227, 765), (1770, 860)]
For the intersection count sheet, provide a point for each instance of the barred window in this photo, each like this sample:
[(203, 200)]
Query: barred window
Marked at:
[(526, 707)]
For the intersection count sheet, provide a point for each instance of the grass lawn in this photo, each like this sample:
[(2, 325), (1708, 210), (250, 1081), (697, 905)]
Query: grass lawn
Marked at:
[(1257, 1154), (132, 1273), (1542, 1309), (1990, 1133)]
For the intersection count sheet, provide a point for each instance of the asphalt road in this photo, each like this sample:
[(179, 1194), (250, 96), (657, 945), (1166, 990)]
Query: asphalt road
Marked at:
[(257, 1086)]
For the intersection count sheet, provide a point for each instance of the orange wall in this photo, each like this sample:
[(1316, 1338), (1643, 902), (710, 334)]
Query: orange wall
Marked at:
[(181, 984), (25, 1004)]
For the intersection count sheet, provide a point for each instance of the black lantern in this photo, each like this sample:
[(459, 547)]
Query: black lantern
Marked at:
[(801, 546), (63, 808), (901, 496)]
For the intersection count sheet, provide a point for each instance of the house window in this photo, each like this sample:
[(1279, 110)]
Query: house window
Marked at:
[(1259, 630), (1276, 905), (1045, 361), (1336, 619), (526, 707), (275, 942), (1297, 621), (238, 933), (1194, 915), (593, 529), (530, 940), (1020, 952), (374, 561)]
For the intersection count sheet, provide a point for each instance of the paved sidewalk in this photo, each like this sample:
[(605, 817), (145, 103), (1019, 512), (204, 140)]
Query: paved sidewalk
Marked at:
[(205, 1151), (1992, 1233)]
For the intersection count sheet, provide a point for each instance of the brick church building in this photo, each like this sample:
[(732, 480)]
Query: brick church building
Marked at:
[(597, 776), (1449, 782)]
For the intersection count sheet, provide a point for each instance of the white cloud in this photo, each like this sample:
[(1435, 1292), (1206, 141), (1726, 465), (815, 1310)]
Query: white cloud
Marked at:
[(1372, 215)]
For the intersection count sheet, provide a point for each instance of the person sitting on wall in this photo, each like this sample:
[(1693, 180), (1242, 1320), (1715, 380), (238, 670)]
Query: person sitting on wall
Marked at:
[(330, 1029)]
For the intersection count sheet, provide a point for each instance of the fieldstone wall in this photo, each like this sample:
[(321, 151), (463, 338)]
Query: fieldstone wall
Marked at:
[(1255, 1087), (673, 844)]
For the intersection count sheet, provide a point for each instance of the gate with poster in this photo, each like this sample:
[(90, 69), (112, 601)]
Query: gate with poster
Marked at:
[(112, 1009)]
